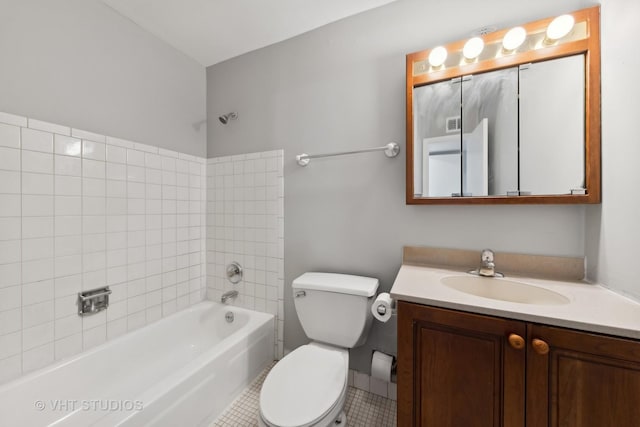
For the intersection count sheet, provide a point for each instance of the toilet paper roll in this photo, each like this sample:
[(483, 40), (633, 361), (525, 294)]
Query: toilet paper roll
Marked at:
[(381, 365), (382, 307)]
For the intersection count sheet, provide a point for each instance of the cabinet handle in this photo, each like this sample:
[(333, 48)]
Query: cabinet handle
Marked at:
[(516, 341), (539, 346)]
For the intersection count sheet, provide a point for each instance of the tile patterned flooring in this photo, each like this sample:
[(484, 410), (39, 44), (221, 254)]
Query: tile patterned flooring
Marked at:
[(363, 409)]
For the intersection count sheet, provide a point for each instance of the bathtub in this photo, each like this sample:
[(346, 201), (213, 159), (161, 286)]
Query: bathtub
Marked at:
[(180, 371)]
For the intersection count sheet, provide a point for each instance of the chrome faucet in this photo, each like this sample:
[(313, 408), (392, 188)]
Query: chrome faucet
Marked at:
[(487, 265), (228, 295)]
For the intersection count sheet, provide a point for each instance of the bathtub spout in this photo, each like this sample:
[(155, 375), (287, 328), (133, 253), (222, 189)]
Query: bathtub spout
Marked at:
[(228, 295)]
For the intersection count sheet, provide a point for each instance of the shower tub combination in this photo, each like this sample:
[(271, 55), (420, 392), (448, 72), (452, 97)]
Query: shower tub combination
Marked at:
[(183, 370)]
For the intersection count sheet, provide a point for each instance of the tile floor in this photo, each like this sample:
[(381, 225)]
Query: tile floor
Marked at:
[(363, 409)]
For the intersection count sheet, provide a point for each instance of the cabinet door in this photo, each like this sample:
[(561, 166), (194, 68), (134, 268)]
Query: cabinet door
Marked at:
[(437, 139), (458, 369), (577, 379), (552, 126)]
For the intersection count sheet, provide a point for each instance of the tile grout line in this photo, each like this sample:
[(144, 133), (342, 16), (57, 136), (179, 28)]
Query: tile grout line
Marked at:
[(162, 224), (21, 264), (82, 284), (55, 272), (106, 281)]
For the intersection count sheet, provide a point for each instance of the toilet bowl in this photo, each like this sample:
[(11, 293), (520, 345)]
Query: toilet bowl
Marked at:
[(308, 387)]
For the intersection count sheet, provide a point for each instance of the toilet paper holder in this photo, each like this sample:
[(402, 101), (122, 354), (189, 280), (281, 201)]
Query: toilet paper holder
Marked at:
[(384, 307), (383, 366), (382, 310), (394, 364)]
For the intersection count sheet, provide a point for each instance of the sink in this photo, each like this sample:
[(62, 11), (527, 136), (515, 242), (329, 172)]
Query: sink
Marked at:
[(504, 290)]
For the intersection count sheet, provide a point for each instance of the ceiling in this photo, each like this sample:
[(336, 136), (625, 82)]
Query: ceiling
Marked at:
[(211, 31)]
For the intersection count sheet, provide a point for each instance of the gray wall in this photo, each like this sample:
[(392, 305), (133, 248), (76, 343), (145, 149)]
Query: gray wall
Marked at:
[(80, 64), (613, 228), (343, 87)]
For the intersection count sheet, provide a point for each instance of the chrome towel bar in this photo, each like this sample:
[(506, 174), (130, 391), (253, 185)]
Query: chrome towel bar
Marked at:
[(390, 150)]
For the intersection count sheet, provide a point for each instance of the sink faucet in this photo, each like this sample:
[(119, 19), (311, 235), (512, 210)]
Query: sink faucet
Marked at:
[(487, 266), (228, 295)]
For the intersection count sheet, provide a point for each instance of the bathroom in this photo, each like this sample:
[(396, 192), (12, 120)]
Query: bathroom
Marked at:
[(84, 71)]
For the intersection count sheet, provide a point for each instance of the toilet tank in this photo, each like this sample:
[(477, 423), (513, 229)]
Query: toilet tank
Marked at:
[(335, 308)]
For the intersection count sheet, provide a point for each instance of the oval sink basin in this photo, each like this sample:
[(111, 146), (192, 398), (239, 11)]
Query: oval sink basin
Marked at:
[(504, 290)]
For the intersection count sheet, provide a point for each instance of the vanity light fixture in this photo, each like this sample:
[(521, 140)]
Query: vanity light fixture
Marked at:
[(473, 48), (514, 39), (437, 56), (559, 27)]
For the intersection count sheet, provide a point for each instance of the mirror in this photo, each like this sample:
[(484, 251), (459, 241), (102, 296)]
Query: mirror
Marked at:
[(519, 126), (466, 133), (552, 126)]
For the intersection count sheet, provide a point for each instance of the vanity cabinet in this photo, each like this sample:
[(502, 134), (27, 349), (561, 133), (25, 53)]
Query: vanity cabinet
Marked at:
[(458, 369), (581, 379)]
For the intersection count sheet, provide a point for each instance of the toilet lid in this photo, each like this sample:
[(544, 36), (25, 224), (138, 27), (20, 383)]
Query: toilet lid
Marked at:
[(304, 386)]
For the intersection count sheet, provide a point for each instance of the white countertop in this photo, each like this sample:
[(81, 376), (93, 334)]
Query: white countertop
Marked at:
[(592, 308)]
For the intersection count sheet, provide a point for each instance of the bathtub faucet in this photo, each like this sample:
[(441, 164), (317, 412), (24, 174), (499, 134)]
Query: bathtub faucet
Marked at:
[(228, 295)]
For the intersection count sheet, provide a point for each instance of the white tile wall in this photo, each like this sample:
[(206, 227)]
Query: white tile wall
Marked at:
[(245, 223), (373, 385), (78, 211)]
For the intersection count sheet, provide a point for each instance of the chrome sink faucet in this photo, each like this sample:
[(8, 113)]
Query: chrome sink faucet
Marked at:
[(487, 265), (228, 295)]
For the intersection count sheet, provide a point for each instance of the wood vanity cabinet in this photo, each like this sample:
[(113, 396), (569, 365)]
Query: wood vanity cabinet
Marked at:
[(584, 380), (457, 369)]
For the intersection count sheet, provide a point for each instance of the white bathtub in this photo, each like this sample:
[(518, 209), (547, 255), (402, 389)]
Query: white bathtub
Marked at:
[(181, 371)]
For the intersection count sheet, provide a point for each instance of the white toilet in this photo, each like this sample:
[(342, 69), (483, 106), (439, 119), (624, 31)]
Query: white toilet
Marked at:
[(308, 387)]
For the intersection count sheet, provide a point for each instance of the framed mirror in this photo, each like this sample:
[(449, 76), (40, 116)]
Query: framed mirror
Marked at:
[(509, 117)]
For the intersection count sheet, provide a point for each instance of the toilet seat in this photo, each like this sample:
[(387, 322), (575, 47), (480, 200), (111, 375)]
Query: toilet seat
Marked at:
[(305, 386)]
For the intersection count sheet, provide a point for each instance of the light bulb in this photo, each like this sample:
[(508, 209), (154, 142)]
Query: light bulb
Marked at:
[(514, 38), (437, 56), (560, 27), (473, 48)]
